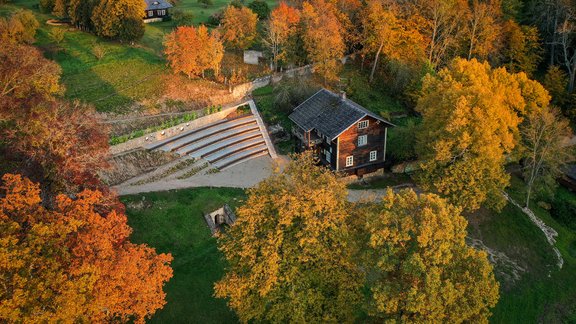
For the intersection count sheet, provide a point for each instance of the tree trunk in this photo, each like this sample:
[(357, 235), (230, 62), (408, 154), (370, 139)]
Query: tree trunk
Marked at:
[(572, 75), (376, 62)]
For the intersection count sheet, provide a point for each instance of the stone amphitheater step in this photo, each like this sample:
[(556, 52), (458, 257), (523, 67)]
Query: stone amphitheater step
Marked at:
[(242, 156), (239, 127), (214, 142), (222, 144), (233, 149), (206, 130)]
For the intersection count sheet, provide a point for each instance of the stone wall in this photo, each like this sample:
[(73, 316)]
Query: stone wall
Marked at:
[(133, 163)]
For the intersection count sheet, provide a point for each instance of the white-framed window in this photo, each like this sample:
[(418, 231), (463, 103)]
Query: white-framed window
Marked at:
[(349, 161), (362, 140), (150, 13), (327, 156), (373, 155), (363, 124)]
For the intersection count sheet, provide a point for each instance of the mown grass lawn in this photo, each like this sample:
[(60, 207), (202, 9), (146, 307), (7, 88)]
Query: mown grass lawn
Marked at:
[(545, 293), (126, 74), (172, 222)]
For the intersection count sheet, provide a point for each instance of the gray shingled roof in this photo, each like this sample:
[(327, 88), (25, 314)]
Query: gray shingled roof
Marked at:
[(330, 114), (157, 4)]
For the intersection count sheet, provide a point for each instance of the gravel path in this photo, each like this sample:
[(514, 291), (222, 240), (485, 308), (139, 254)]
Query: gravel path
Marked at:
[(243, 175)]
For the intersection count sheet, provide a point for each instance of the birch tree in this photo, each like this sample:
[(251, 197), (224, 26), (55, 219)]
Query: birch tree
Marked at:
[(545, 151), (387, 32)]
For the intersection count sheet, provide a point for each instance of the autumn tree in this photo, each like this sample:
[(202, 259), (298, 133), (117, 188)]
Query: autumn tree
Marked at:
[(545, 150), (281, 29), (66, 140), (443, 27), (63, 144), (25, 76), (387, 32), (80, 13), (481, 30), (289, 253), (20, 27), (60, 8), (521, 50), (238, 27), (193, 50), (423, 271), (71, 264), (556, 82), (470, 124), (323, 37), (119, 19)]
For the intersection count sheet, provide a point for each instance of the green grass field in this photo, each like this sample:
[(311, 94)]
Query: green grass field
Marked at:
[(545, 293), (126, 74), (173, 222)]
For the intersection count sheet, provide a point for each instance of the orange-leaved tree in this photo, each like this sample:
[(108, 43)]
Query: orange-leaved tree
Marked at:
[(192, 50), (281, 29), (25, 75), (70, 263), (386, 30), (323, 36), (422, 269), (290, 250), (238, 27)]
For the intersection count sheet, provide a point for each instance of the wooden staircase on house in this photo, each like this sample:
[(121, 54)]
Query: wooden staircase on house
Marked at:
[(224, 143)]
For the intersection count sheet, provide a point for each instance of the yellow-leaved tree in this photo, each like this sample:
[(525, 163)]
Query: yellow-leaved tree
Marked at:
[(422, 269), (323, 37), (119, 19), (387, 31), (238, 27), (470, 123), (290, 253)]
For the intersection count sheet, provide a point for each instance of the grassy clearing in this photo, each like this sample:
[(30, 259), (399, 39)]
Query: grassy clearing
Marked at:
[(126, 74), (172, 222), (544, 294)]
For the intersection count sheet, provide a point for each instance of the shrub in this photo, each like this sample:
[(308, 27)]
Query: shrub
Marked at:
[(401, 142), (99, 51), (182, 18), (260, 8), (57, 35), (215, 18), (206, 3)]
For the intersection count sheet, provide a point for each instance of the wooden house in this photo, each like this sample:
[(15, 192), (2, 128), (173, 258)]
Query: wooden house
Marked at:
[(156, 10), (345, 136)]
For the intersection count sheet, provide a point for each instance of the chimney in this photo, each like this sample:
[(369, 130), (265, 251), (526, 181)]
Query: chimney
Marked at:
[(343, 95)]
